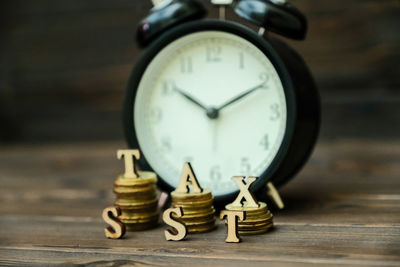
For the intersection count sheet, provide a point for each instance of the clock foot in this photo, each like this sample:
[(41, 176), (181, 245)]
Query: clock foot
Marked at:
[(273, 194), (261, 31)]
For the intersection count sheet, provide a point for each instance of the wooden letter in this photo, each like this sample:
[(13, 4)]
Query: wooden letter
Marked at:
[(188, 178), (179, 229), (130, 157), (116, 229), (244, 192), (232, 224)]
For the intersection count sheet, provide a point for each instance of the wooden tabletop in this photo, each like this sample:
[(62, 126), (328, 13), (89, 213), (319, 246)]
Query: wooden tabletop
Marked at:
[(66, 64), (343, 208)]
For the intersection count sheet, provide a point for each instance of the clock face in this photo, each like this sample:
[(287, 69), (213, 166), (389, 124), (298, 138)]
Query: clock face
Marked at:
[(215, 100)]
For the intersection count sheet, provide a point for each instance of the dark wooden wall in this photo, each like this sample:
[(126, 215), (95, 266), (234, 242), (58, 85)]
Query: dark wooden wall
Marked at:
[(64, 65)]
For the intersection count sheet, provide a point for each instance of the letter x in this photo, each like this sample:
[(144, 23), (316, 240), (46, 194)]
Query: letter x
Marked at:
[(244, 192)]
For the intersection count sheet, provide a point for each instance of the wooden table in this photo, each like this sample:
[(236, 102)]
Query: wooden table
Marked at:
[(343, 208)]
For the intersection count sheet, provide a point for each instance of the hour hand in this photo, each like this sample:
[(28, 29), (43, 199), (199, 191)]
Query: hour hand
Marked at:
[(189, 97)]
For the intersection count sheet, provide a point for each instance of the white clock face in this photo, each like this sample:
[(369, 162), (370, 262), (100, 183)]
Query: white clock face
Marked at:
[(191, 105)]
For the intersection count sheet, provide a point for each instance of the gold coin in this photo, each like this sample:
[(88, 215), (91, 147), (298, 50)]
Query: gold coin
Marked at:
[(140, 208), (256, 214), (198, 216), (192, 201), (255, 232), (128, 220), (265, 217), (195, 196), (199, 223), (206, 194), (135, 190), (255, 220), (198, 213), (193, 205), (135, 204), (189, 213), (128, 193), (138, 220), (254, 226), (143, 179), (131, 227), (138, 216), (199, 219), (135, 193), (249, 210), (137, 198)]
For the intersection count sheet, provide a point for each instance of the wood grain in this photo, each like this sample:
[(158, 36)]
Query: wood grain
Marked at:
[(341, 210), (65, 63)]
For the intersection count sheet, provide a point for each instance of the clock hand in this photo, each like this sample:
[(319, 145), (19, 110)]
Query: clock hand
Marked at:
[(190, 98), (235, 99), (211, 112)]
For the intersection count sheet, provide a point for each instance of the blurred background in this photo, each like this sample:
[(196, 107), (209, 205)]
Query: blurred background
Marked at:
[(64, 66)]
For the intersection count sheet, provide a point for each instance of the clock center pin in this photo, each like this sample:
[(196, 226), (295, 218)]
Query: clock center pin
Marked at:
[(212, 113)]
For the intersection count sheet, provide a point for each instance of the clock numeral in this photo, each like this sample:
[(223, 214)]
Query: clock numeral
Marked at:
[(241, 60), (166, 144), (213, 53), (275, 112), (186, 65), (264, 77), (155, 115), (265, 142), (167, 88), (245, 166), (215, 173)]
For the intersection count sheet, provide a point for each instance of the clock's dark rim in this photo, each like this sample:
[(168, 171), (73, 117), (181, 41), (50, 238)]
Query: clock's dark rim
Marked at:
[(210, 25)]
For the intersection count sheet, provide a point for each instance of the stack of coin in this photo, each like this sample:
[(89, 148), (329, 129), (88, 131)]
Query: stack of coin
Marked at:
[(258, 220), (198, 210), (137, 198)]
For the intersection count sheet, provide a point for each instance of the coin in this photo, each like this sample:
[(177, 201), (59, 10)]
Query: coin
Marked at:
[(137, 199), (198, 210), (140, 226), (206, 194), (258, 219)]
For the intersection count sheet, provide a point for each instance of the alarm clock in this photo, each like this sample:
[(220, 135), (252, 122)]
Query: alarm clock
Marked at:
[(222, 96)]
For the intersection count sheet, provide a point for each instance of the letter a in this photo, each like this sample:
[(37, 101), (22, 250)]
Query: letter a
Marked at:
[(244, 192), (188, 178)]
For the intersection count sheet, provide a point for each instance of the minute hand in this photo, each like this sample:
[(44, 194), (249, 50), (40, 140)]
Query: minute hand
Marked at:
[(235, 99)]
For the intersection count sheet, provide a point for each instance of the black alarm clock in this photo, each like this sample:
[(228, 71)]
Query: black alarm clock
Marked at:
[(222, 96)]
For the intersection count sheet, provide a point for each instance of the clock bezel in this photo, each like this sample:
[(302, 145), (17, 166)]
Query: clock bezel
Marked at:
[(211, 25)]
